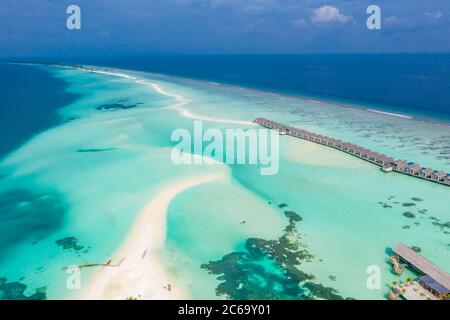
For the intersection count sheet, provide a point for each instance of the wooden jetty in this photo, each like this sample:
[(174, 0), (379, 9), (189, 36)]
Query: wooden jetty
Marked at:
[(433, 282), (108, 264), (386, 163)]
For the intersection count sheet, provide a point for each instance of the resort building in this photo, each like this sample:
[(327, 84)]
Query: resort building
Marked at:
[(432, 278), (414, 169), (439, 176), (427, 173), (447, 180), (401, 165)]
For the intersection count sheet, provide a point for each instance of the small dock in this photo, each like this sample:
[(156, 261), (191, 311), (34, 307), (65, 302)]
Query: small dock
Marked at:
[(433, 282), (386, 163), (107, 264)]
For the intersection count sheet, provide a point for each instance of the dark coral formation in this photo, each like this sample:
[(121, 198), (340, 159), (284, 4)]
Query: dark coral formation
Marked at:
[(442, 225), (384, 204), (409, 214), (16, 291), (408, 204), (70, 119), (69, 243), (117, 106), (416, 249), (293, 216), (269, 269)]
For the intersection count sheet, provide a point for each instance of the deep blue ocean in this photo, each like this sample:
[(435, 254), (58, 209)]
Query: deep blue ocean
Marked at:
[(29, 99), (417, 85), (414, 84)]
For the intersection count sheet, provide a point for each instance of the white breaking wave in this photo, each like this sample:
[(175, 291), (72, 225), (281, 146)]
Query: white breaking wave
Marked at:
[(442, 125), (390, 114), (117, 74), (122, 75), (181, 101)]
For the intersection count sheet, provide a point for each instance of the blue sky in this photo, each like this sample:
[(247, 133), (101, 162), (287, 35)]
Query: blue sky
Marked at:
[(37, 28)]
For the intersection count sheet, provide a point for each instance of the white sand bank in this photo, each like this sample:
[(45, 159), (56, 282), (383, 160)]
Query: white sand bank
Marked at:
[(141, 273)]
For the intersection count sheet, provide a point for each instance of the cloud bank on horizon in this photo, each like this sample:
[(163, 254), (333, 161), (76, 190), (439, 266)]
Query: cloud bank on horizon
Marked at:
[(138, 27)]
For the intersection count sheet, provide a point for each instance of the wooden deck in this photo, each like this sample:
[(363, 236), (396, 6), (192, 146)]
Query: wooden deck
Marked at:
[(413, 291), (421, 264)]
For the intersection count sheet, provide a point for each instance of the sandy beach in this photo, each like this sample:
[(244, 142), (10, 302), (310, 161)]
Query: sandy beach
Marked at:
[(141, 274)]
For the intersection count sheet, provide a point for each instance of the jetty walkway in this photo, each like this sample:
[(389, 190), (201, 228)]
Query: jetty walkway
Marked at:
[(386, 163)]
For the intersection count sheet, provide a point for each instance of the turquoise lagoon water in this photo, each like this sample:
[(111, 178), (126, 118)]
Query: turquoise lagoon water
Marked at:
[(352, 213), (94, 173)]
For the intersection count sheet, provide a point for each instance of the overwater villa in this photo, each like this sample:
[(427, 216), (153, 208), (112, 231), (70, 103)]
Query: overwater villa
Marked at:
[(386, 163), (427, 173), (433, 282)]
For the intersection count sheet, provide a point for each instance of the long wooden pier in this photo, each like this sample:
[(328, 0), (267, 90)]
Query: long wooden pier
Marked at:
[(108, 264), (386, 163)]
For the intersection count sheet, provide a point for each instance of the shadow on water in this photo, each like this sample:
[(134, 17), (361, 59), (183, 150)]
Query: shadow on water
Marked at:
[(30, 97), (389, 251), (25, 214)]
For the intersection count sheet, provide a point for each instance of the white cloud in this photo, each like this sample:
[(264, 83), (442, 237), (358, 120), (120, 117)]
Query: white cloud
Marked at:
[(328, 14), (299, 23), (260, 5), (246, 5), (434, 15), (392, 20)]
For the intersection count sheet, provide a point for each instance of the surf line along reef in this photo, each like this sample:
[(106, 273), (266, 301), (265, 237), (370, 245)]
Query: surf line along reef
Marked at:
[(387, 164)]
